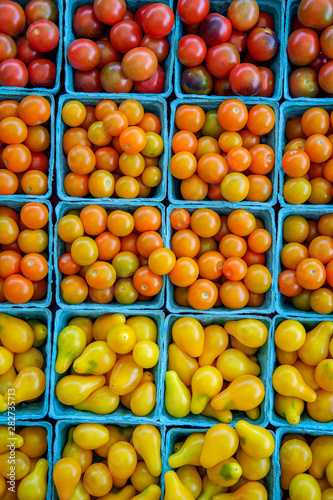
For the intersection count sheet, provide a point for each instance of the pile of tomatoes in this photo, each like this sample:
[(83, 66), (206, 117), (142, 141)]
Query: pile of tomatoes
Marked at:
[(24, 143), (220, 259), (24, 253), (111, 150), (310, 50), (308, 158), (117, 50), (112, 254), (304, 372), (307, 256), (27, 55), (219, 154), (220, 43), (107, 363)]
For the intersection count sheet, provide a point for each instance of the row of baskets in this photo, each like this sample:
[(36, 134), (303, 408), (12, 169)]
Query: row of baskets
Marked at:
[(281, 67), (169, 186), (49, 405)]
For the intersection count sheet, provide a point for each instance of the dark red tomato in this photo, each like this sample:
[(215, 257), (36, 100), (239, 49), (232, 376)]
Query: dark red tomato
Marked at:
[(265, 21), (303, 82), (160, 46), (8, 48), (13, 73), (192, 11), (110, 11), (158, 20), (262, 44), (113, 79), (83, 54), (197, 81), (125, 36), (43, 35), (41, 9), (325, 77), (221, 59), (238, 39), (12, 18), (86, 24), (245, 79), (39, 161), (25, 52), (222, 87), (215, 29), (267, 87), (108, 53), (295, 24), (326, 42), (191, 29), (316, 14), (319, 62), (139, 13), (192, 50), (303, 46), (87, 81), (154, 85), (42, 73)]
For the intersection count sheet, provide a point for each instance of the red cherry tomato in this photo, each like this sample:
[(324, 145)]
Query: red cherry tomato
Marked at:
[(83, 54), (42, 73), (221, 59), (215, 29), (192, 11), (110, 11), (86, 24), (87, 81), (153, 85), (158, 20), (192, 50), (12, 18), (245, 79), (125, 35), (25, 52), (13, 73), (43, 35)]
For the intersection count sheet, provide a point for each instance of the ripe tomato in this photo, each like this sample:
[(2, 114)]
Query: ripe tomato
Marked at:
[(34, 110), (12, 18), (192, 11), (10, 263), (73, 289), (83, 54), (67, 265), (34, 215), (245, 79), (215, 29), (234, 269), (25, 53), (110, 11), (267, 86), (232, 115), (190, 118), (17, 289), (311, 274), (180, 219), (241, 222), (88, 81), (86, 24), (325, 77), (202, 294), (34, 266), (139, 64), (125, 35), (315, 14), (153, 85), (41, 9), (158, 20), (243, 14), (222, 59), (147, 218), (262, 44), (234, 294), (192, 50), (303, 82), (205, 222), (8, 48), (43, 35), (303, 47), (108, 53), (288, 284), (146, 282), (160, 46)]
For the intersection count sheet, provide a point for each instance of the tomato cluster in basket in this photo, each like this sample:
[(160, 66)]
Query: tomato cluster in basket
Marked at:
[(237, 50), (124, 57), (27, 57)]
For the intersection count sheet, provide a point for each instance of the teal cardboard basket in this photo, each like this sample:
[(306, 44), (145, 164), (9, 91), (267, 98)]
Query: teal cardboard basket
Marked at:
[(263, 359), (34, 410), (289, 110), (121, 414), (46, 301), (62, 428), (176, 435), (59, 249), (310, 434), (132, 5), (55, 56), (19, 96), (277, 10), (291, 12), (174, 193), (274, 418), (267, 216), (154, 105), (284, 305)]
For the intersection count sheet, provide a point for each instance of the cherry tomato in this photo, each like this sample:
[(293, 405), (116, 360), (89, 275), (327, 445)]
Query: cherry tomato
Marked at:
[(262, 44), (158, 20), (110, 11), (108, 53), (243, 14), (139, 64), (41, 9), (83, 54), (245, 79), (125, 35), (215, 29), (13, 73), (12, 18), (222, 59), (160, 46), (87, 81), (8, 48), (43, 35), (42, 73), (86, 24), (303, 47), (153, 85), (114, 80), (192, 11), (17, 289), (192, 50)]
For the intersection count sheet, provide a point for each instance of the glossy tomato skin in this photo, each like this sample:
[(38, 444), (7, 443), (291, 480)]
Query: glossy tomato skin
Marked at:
[(245, 79), (139, 64), (160, 46), (108, 53), (192, 50), (125, 35), (192, 11), (43, 35), (222, 87), (317, 14), (113, 79), (41, 9), (325, 77), (197, 80), (12, 18), (25, 52), (87, 81), (86, 24), (268, 81), (153, 85), (265, 20), (138, 16), (262, 44), (215, 29), (303, 82), (158, 20), (326, 42), (8, 49), (110, 11), (303, 47), (83, 54), (319, 62), (221, 59), (239, 39), (42, 73), (13, 73)]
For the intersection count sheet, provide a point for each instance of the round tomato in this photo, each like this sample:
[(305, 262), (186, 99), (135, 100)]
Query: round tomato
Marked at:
[(215, 29), (222, 59), (86, 24), (13, 73), (83, 54), (125, 35), (192, 50), (303, 46), (245, 79), (43, 35), (12, 18), (192, 11), (42, 73), (158, 20), (110, 11)]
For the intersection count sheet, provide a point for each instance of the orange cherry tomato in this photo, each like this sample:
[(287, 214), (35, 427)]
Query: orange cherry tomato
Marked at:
[(311, 274), (76, 185), (133, 139), (147, 242), (94, 219), (34, 266), (190, 118), (202, 294), (211, 265), (74, 289), (120, 223), (147, 218), (261, 119), (67, 265), (184, 140), (17, 289), (185, 272), (13, 130), (241, 222), (205, 222), (10, 263), (180, 219), (262, 159), (239, 159), (234, 294), (232, 245), (100, 275), (8, 182), (38, 139), (34, 110), (81, 159), (234, 269), (146, 282), (232, 115)]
